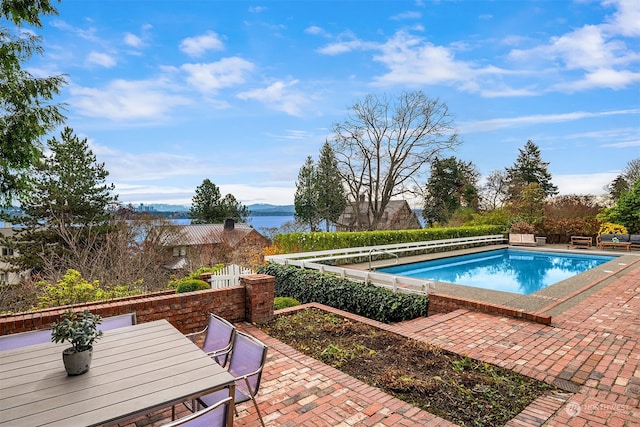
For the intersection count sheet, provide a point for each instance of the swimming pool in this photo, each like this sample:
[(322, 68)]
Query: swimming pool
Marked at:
[(509, 270)]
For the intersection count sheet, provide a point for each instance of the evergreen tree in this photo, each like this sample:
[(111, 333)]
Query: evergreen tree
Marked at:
[(331, 194), (626, 180), (528, 169), (306, 197), (68, 214), (626, 211), (233, 209), (26, 111), (617, 187), (451, 186), (208, 206)]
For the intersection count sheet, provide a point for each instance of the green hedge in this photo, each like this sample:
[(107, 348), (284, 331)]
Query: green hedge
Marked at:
[(320, 241), (190, 285), (362, 299), (284, 302)]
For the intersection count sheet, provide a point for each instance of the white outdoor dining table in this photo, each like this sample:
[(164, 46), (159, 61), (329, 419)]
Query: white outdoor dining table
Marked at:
[(135, 370)]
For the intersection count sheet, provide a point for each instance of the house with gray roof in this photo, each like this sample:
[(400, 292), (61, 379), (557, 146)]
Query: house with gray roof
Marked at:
[(196, 245)]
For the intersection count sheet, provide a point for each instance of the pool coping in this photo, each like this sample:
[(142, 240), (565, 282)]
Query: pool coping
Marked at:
[(539, 306)]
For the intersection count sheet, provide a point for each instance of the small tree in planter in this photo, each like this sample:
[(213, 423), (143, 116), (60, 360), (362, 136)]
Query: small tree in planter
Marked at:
[(80, 330)]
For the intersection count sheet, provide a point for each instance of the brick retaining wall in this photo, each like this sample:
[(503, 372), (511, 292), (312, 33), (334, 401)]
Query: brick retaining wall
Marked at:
[(252, 301), (439, 303)]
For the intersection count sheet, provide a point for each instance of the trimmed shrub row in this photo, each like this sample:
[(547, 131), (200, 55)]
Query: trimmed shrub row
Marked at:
[(320, 241), (190, 285), (359, 298)]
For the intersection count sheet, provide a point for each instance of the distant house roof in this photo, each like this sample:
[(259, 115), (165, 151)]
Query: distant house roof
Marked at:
[(397, 216), (206, 234)]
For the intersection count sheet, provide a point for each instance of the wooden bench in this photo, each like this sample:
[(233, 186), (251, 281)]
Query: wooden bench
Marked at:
[(626, 245), (614, 241), (581, 242), (522, 240)]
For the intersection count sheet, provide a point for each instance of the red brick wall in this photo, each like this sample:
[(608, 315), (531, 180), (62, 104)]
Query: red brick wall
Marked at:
[(445, 304), (259, 297), (187, 311)]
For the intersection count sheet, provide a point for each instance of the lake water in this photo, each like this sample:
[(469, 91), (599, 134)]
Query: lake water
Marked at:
[(259, 222), (256, 222)]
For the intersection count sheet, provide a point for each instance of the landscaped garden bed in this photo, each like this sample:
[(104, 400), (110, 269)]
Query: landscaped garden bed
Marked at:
[(457, 388)]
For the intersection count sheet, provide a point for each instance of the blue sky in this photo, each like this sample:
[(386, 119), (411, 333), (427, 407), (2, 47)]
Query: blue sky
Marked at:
[(169, 93)]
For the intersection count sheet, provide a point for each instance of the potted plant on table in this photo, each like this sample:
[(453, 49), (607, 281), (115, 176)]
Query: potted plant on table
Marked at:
[(80, 329)]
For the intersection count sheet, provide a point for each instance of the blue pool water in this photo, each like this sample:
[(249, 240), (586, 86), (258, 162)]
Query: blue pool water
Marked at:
[(509, 270)]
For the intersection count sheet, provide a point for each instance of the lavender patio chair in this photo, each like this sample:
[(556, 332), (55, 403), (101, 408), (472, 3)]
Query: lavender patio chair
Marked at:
[(23, 339), (119, 321), (212, 416), (246, 364), (218, 339)]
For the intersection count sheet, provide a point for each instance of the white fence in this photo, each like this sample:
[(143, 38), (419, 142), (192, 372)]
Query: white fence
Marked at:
[(228, 276), (315, 260)]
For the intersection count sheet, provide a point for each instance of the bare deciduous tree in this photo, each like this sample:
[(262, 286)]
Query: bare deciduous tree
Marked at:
[(382, 146), (495, 191)]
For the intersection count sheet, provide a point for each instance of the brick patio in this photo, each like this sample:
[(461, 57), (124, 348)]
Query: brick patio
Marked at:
[(591, 351)]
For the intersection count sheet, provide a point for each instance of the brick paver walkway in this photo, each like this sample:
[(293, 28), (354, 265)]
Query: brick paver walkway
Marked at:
[(591, 351)]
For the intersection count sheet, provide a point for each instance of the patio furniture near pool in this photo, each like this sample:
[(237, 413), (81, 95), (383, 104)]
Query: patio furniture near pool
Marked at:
[(522, 239), (581, 242), (614, 241), (135, 370)]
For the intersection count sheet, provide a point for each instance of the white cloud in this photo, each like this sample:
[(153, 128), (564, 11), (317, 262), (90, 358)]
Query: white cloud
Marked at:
[(414, 62), (216, 75), (86, 34), (626, 19), (197, 46), (593, 183), (624, 144), (147, 194), (536, 119), (593, 49), (502, 92), (247, 195), (133, 40), (342, 47), (101, 59), (406, 15), (126, 100), (315, 30), (185, 172), (585, 48), (279, 96), (604, 78)]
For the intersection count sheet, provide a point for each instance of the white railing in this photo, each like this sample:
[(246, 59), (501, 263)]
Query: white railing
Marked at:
[(314, 260), (228, 276)]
